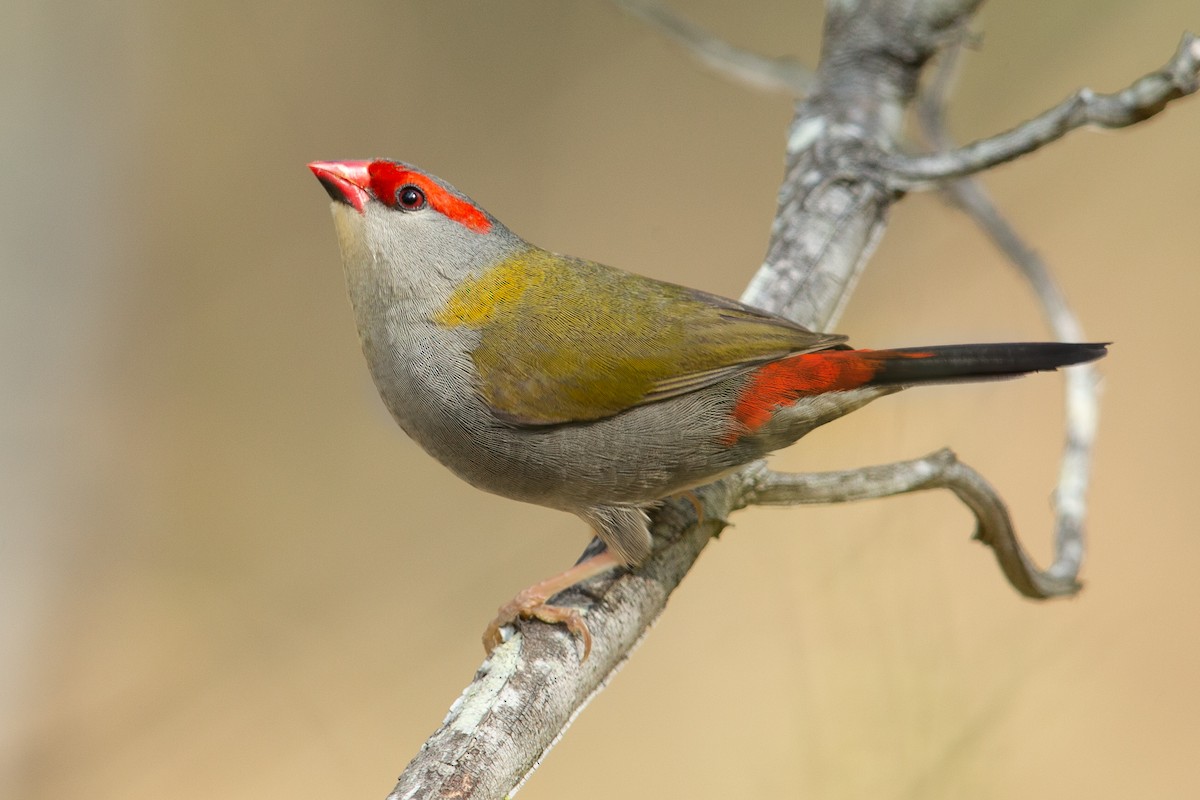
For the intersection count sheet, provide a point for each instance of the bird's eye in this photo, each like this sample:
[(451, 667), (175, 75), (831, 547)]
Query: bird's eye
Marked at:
[(410, 198)]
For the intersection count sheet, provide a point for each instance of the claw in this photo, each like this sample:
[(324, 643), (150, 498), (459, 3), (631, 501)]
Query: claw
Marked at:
[(531, 604)]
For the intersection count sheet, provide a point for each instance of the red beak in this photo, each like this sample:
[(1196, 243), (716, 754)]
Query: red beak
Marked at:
[(347, 182)]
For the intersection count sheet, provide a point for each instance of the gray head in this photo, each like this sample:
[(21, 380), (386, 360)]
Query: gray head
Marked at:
[(406, 233)]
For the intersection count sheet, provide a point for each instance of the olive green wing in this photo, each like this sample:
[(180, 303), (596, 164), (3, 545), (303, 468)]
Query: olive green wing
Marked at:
[(566, 340)]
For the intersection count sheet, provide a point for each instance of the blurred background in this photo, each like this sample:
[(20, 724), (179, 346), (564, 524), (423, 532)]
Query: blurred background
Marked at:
[(225, 573)]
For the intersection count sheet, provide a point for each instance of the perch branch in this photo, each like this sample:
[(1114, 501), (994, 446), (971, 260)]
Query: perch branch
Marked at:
[(744, 66), (1141, 100), (525, 696)]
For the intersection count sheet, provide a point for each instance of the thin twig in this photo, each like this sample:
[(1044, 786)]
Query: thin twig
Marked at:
[(1141, 100), (744, 66), (940, 470), (1082, 403)]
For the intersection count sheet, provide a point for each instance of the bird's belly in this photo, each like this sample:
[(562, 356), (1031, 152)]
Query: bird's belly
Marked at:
[(635, 457)]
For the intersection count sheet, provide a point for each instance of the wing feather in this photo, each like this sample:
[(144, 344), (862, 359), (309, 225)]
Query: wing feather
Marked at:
[(581, 341)]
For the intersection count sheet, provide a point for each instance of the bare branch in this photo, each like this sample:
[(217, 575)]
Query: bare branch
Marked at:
[(832, 212), (1141, 100), (1082, 403), (940, 470), (744, 66)]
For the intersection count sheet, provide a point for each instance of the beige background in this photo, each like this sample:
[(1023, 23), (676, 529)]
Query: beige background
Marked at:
[(226, 574)]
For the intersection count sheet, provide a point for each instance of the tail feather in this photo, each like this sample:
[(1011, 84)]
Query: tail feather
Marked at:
[(780, 384), (973, 362)]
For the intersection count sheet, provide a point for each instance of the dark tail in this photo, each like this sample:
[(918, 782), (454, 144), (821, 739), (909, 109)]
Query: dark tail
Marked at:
[(973, 362)]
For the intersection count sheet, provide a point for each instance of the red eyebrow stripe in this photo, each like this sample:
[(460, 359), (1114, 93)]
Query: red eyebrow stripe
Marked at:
[(386, 178)]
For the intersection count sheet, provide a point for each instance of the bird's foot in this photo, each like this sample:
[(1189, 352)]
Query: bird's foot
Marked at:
[(531, 604)]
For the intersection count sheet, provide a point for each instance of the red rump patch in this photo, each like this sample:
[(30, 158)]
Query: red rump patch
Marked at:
[(781, 383), (387, 177)]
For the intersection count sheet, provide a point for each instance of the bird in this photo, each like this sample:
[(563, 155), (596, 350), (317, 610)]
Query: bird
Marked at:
[(570, 384)]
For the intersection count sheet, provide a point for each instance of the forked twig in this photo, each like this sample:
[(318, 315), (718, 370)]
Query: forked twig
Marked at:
[(1139, 101), (1083, 382)]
